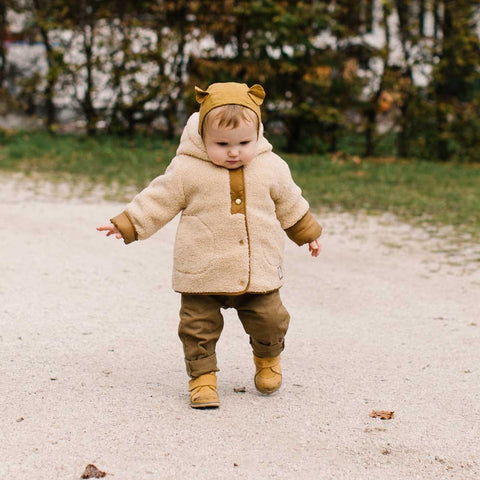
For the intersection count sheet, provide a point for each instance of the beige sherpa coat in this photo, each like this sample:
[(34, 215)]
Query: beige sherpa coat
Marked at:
[(230, 239)]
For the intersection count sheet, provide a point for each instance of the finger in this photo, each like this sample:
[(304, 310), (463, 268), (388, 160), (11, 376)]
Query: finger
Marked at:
[(315, 249)]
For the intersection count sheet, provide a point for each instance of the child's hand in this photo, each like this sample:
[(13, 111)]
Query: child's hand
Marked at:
[(111, 229), (315, 247)]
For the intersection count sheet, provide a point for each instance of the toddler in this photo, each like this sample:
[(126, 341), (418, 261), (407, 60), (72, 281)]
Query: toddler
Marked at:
[(237, 198)]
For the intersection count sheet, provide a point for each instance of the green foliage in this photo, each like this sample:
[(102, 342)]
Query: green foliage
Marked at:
[(309, 85), (325, 81), (455, 81)]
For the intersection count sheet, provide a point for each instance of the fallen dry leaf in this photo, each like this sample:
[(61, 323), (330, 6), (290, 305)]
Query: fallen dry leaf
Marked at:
[(239, 389), (91, 471), (382, 414)]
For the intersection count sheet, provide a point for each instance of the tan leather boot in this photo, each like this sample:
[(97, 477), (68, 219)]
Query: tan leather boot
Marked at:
[(203, 391), (268, 374)]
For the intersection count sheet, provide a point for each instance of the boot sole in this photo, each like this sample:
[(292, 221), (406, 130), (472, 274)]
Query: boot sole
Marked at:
[(211, 405), (268, 392)]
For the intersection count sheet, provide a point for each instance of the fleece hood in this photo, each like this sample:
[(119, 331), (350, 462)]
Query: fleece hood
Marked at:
[(191, 143)]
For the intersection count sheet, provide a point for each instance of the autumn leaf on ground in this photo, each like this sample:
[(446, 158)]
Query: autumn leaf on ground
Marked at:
[(382, 414), (91, 471)]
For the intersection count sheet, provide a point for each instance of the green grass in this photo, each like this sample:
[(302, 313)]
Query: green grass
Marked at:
[(105, 159), (439, 193)]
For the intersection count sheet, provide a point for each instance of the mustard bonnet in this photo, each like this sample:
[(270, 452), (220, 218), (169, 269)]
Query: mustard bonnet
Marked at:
[(229, 93)]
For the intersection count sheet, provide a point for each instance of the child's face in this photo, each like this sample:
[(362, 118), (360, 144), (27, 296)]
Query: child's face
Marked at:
[(231, 147)]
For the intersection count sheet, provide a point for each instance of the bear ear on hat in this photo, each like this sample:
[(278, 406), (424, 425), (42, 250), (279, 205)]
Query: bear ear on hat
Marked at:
[(200, 94), (257, 93)]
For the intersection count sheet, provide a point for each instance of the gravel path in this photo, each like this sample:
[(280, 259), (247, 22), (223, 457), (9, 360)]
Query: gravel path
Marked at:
[(387, 318)]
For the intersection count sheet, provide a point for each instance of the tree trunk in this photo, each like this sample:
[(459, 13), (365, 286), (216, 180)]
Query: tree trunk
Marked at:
[(3, 31), (371, 111), (421, 18), (293, 134), (333, 147), (442, 144), (436, 19), (87, 103), (370, 115), (403, 140), (51, 79)]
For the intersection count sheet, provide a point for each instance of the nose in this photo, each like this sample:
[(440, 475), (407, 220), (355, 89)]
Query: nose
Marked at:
[(233, 152)]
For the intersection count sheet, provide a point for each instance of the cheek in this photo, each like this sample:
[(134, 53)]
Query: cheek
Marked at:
[(250, 152), (215, 154), (211, 150)]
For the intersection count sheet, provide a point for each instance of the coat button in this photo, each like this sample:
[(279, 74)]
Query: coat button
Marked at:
[(238, 201), (241, 242)]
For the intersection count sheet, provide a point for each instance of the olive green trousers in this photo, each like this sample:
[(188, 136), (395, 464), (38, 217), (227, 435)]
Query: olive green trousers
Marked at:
[(263, 316)]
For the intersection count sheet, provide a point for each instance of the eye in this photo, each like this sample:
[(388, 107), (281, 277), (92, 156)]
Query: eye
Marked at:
[(246, 142), (222, 144)]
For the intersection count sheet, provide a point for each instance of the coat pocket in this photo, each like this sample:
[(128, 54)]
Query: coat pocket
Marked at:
[(272, 250), (194, 246)]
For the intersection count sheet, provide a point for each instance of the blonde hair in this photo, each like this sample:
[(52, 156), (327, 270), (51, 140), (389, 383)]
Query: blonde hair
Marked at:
[(229, 116)]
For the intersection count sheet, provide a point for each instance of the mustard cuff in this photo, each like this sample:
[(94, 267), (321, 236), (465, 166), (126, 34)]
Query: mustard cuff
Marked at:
[(124, 223), (305, 230)]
